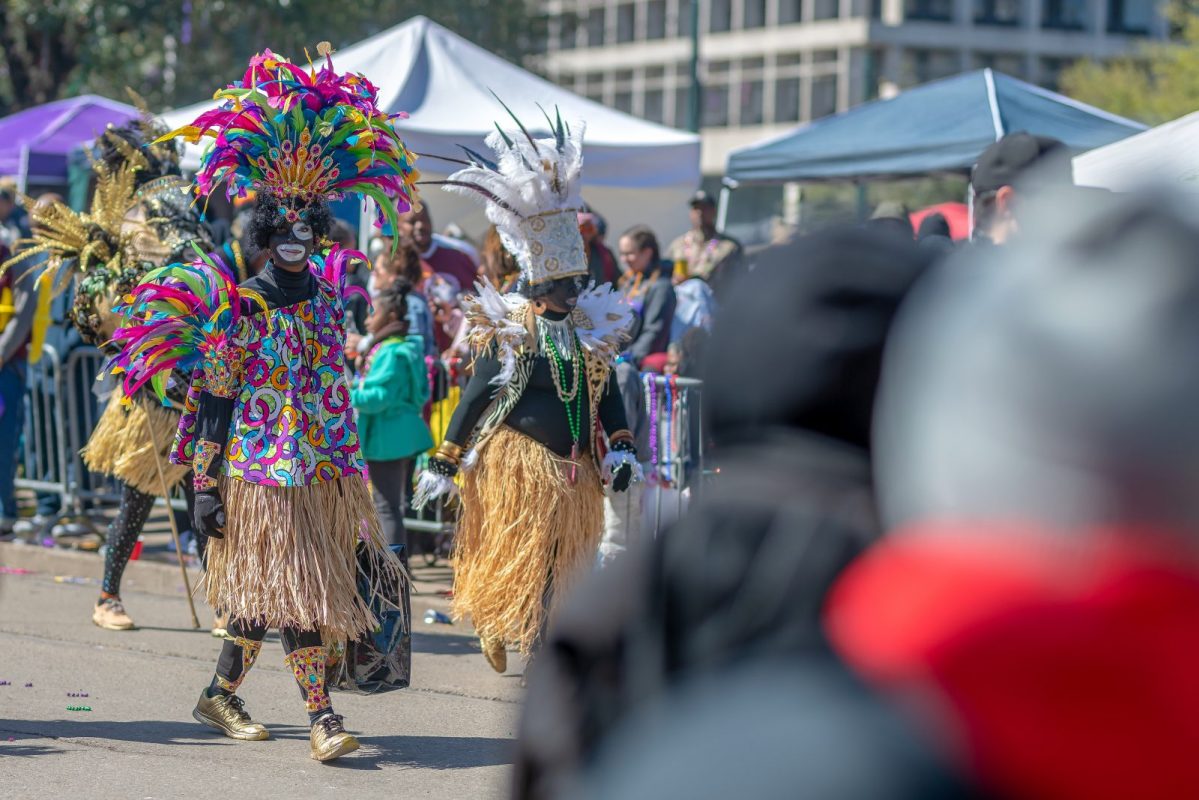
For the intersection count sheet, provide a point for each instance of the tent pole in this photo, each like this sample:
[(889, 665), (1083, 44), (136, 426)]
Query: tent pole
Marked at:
[(722, 207), (862, 199)]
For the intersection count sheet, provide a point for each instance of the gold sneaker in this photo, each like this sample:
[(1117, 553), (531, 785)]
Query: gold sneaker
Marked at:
[(227, 713), (110, 615), (496, 654), (330, 740)]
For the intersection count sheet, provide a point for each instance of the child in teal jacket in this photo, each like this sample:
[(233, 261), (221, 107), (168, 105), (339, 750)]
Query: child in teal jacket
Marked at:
[(389, 397)]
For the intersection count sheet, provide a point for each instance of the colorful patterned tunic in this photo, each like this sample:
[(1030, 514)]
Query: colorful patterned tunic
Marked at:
[(292, 423)]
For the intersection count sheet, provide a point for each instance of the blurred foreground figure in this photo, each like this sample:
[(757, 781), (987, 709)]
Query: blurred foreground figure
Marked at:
[(699, 669), (1038, 444)]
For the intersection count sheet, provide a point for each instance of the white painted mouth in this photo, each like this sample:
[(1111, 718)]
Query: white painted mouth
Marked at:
[(572, 302), (291, 252)]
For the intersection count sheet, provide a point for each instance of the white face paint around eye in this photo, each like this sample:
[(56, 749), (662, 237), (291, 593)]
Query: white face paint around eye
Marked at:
[(302, 231)]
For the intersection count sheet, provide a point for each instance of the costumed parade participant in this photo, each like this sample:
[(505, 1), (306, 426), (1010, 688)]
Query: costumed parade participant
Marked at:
[(141, 217), (541, 398), (269, 430)]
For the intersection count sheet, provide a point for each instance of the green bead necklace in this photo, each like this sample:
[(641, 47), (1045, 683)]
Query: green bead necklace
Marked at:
[(572, 398)]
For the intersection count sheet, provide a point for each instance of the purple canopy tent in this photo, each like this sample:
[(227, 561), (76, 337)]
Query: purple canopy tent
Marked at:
[(35, 143)]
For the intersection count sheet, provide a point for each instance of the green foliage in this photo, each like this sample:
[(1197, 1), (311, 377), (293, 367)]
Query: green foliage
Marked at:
[(1157, 84), (175, 52)]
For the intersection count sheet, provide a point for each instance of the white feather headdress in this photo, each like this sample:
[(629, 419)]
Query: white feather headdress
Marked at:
[(532, 195)]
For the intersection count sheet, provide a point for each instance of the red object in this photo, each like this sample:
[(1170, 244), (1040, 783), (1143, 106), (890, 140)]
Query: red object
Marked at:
[(1060, 666), (655, 362), (956, 214), (137, 551)]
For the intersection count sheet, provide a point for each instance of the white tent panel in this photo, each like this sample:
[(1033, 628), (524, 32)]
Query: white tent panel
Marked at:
[(634, 171), (1166, 154)]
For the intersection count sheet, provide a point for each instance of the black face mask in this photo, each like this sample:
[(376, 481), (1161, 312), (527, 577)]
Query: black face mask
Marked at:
[(291, 244), (563, 293)]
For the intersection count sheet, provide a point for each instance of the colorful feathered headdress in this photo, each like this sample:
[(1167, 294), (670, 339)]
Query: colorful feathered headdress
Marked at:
[(532, 195), (304, 136)]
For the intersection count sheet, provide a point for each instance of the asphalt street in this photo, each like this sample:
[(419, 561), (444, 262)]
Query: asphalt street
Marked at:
[(448, 736)]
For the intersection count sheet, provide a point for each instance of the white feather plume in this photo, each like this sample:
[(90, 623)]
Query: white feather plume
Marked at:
[(490, 315), (603, 319)]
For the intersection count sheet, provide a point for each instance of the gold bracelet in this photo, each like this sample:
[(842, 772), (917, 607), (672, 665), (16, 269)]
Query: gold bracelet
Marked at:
[(449, 452)]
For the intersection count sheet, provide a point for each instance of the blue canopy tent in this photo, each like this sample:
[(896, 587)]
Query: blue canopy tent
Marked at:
[(940, 127)]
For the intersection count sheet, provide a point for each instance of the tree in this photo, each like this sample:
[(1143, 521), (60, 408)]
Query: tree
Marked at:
[(1157, 84), (175, 52)]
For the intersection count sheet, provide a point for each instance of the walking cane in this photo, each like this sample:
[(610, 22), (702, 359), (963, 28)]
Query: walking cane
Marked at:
[(166, 494)]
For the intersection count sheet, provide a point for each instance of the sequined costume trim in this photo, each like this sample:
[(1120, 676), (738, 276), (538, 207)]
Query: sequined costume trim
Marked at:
[(308, 665), (249, 654), (206, 453)]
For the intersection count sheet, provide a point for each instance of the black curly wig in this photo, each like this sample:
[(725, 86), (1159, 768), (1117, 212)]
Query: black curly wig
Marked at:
[(114, 146), (269, 212), (545, 287)]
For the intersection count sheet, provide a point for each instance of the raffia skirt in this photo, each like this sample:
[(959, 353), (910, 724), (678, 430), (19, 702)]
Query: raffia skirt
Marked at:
[(121, 445), (290, 558), (524, 524)]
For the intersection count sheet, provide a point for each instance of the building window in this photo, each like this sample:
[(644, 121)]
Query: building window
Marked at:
[(568, 31), (682, 106), (720, 16), (595, 27), (593, 86), (790, 11), (824, 96), (929, 10), (626, 22), (751, 92), (754, 14), (716, 106), (623, 101), (1067, 15), (786, 100), (683, 23), (655, 19), (1129, 16), (826, 9), (922, 66), (655, 105), (997, 12), (1007, 63), (1051, 71)]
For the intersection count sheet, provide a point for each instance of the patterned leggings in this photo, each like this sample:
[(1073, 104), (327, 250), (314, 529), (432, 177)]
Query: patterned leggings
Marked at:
[(124, 530), (305, 656)]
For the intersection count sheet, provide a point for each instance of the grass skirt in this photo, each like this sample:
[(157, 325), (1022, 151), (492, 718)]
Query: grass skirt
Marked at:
[(523, 523), (121, 445), (289, 556)]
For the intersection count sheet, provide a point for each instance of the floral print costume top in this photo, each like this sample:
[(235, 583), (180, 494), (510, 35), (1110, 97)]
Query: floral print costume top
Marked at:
[(292, 423)]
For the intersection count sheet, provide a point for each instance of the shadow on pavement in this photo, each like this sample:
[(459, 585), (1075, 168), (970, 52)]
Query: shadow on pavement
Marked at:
[(449, 644), (429, 752), (142, 731)]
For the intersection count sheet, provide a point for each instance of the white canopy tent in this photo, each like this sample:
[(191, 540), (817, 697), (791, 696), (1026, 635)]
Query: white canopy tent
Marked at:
[(634, 171), (1167, 154)]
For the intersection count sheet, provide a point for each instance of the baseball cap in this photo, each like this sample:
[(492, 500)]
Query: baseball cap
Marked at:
[(1016, 155), (702, 198)]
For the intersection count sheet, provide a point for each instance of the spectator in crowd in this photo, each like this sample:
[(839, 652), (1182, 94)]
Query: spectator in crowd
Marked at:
[(934, 233), (497, 264), (454, 237), (417, 227), (1016, 159), (14, 220), (17, 307), (357, 307), (731, 596), (449, 323), (390, 396), (403, 264), (622, 510), (704, 252), (892, 217), (646, 284), (601, 264)]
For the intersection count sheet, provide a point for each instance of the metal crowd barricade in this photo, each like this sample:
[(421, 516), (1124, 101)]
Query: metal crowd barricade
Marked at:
[(676, 458), (80, 370)]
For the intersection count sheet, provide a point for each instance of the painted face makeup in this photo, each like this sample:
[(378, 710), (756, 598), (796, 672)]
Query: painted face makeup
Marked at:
[(291, 243)]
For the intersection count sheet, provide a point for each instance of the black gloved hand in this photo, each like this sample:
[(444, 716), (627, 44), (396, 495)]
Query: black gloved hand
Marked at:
[(622, 476), (446, 469), (209, 516)]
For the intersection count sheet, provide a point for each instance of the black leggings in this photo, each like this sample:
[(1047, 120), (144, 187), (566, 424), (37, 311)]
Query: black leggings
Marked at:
[(390, 484), (124, 530), (305, 656)]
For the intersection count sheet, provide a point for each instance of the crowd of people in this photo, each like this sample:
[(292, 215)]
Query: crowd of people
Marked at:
[(947, 550)]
